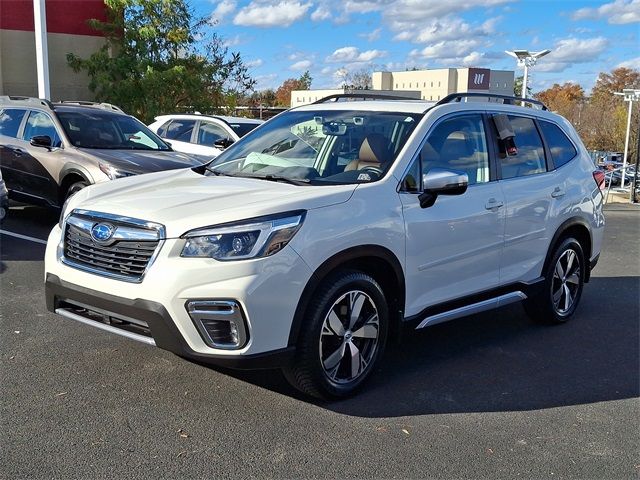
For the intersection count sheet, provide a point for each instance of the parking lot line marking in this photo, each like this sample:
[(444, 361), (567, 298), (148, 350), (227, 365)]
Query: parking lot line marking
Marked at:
[(23, 237)]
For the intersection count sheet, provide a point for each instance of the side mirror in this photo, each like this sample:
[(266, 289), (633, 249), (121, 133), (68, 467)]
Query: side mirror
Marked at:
[(442, 181), (41, 141), (223, 143)]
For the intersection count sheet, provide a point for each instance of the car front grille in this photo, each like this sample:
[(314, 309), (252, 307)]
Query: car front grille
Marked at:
[(126, 255)]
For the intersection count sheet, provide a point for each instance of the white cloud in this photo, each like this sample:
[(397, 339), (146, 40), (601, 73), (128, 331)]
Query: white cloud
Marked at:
[(301, 65), (234, 41), (448, 28), (352, 54), (254, 63), (321, 13), (570, 51), (271, 14), (617, 12), (224, 8), (450, 49), (266, 81), (372, 36), (631, 63)]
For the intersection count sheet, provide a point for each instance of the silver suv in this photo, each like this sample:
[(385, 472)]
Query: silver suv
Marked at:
[(49, 151)]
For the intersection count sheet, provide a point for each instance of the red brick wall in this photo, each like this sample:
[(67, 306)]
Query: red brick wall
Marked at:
[(63, 16)]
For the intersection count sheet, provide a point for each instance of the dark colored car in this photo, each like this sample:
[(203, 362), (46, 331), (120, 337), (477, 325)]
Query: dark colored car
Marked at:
[(48, 151)]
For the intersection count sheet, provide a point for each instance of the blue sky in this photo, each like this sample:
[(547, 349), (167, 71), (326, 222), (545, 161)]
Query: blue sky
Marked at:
[(280, 39)]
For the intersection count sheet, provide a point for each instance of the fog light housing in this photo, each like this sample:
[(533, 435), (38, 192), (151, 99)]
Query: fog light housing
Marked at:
[(221, 323)]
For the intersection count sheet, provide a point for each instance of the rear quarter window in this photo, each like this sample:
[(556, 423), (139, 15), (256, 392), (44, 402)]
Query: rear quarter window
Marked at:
[(10, 120), (561, 148)]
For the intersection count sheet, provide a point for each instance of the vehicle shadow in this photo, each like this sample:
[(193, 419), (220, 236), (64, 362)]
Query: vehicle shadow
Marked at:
[(500, 361), (26, 220)]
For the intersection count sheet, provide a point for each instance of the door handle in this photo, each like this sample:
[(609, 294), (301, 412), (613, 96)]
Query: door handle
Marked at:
[(18, 151), (557, 192), (493, 203)]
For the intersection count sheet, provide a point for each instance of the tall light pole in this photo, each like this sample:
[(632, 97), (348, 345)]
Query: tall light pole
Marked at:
[(630, 95), (526, 59), (42, 52)]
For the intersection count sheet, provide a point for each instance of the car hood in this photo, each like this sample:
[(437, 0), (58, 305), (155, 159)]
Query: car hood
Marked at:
[(185, 200), (142, 161)]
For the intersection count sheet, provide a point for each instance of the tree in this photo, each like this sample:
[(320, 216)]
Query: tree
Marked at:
[(604, 122), (565, 99), (517, 87), (159, 58), (283, 93), (359, 80)]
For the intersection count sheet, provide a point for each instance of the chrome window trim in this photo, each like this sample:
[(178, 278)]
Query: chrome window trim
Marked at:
[(160, 232)]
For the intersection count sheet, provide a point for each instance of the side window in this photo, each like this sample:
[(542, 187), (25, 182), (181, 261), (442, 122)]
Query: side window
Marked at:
[(528, 156), (39, 124), (209, 133), (562, 150), (458, 143), (412, 182), (162, 131), (180, 130), (10, 120)]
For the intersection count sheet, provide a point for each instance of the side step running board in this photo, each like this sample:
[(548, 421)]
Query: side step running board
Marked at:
[(473, 308)]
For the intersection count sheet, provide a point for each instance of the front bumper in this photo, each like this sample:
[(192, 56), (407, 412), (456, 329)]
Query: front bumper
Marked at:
[(162, 327), (267, 290)]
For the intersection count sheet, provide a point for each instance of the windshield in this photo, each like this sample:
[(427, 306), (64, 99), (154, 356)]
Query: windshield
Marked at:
[(242, 128), (95, 129), (319, 147)]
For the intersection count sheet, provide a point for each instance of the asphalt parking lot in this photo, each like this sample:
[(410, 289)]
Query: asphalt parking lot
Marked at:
[(489, 396)]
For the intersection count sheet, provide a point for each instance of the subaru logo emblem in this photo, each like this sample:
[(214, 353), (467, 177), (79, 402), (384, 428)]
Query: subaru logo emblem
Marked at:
[(102, 232)]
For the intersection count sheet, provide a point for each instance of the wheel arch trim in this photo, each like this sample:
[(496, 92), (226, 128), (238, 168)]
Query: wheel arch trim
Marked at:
[(334, 263)]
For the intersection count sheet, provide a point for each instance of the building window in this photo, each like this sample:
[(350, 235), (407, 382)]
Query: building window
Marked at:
[(431, 84), (403, 85), (505, 84), (409, 84), (438, 97), (424, 84), (430, 97), (396, 85), (438, 85)]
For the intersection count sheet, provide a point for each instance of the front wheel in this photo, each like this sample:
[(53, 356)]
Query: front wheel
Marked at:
[(343, 336), (564, 280)]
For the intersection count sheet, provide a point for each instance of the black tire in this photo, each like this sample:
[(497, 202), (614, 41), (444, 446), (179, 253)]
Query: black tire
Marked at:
[(75, 188), (312, 371), (561, 293)]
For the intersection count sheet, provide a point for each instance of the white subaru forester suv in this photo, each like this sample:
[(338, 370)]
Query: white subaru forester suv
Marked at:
[(332, 227)]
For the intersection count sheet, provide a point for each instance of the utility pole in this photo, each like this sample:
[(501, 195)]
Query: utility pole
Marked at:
[(630, 95), (526, 59), (42, 51)]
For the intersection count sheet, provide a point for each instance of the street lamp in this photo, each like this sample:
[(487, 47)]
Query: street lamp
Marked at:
[(526, 59), (630, 95)]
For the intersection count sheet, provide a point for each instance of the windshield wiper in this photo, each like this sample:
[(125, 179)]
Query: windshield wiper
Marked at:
[(277, 178)]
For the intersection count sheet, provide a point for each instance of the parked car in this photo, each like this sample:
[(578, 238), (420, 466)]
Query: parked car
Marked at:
[(49, 151), (4, 198), (204, 136), (314, 239)]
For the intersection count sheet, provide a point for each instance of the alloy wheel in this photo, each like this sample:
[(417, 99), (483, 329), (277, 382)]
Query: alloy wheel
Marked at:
[(566, 281), (349, 337)]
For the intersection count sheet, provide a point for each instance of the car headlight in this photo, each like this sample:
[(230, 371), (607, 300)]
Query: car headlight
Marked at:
[(254, 238), (113, 172), (63, 212)]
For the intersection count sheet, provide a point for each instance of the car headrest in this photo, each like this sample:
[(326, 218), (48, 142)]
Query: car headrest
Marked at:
[(374, 149)]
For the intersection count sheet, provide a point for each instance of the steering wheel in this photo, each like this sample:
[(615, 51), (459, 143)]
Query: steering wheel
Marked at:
[(371, 169)]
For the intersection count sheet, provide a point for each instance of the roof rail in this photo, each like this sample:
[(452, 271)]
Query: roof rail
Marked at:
[(103, 105), (18, 98), (507, 99), (362, 96)]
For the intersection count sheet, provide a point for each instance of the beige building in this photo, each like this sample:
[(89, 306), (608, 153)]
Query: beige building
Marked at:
[(438, 83), (305, 97)]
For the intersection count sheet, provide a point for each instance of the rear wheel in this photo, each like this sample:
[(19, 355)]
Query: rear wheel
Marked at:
[(343, 337), (564, 280)]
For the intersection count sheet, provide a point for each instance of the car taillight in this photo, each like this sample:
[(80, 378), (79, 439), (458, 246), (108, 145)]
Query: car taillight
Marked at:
[(598, 176)]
